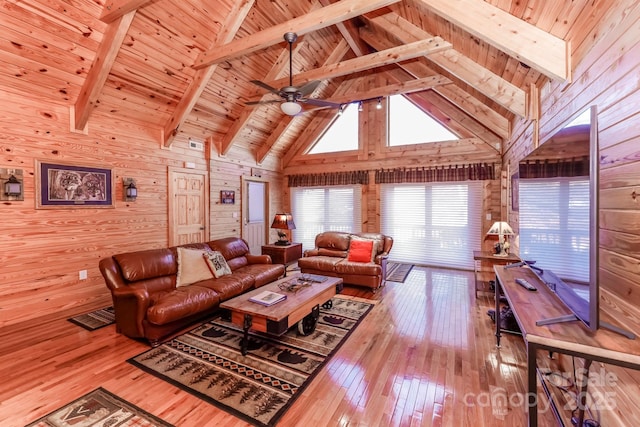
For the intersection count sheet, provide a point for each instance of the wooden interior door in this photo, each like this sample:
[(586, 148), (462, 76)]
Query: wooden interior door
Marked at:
[(188, 206), (255, 213)]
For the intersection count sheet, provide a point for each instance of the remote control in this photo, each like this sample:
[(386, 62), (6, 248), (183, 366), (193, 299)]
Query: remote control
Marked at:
[(528, 286)]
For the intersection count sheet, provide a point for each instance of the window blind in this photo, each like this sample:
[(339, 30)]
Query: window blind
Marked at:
[(318, 209), (554, 225), (433, 224)]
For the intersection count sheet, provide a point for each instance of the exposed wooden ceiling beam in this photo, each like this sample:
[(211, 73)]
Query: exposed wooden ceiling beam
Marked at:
[(202, 76), (312, 21), (350, 34), (540, 50), (409, 86), (114, 9), (498, 124), (367, 62), (486, 82), (100, 69)]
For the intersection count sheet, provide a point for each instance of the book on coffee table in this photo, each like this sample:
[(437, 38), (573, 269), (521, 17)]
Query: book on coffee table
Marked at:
[(268, 298)]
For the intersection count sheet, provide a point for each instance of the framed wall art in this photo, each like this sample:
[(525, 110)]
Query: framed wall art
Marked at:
[(227, 197), (65, 185)]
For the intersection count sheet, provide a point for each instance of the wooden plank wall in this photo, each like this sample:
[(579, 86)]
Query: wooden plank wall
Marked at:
[(43, 251), (606, 77)]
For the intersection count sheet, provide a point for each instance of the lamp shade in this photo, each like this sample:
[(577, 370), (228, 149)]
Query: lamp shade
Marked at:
[(283, 221), (501, 228), (290, 108)]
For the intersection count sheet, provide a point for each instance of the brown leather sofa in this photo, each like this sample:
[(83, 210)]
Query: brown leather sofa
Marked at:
[(147, 302), (331, 253)]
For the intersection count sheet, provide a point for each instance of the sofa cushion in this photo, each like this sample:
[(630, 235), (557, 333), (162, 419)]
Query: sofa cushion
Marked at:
[(233, 249), (217, 264), (324, 263), (361, 250), (262, 273), (230, 285), (333, 240), (146, 264), (167, 307), (332, 252), (358, 268), (192, 267)]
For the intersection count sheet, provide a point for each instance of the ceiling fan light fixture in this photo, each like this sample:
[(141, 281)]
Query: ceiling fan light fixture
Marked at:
[(290, 108)]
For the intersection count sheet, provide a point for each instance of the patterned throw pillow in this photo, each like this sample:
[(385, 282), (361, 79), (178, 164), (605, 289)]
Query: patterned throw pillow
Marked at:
[(217, 264), (191, 269)]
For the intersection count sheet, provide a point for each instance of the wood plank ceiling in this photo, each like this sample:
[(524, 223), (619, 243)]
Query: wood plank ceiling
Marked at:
[(184, 67)]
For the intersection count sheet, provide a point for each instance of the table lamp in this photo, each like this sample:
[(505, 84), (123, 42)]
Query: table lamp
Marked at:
[(501, 229), (283, 221)]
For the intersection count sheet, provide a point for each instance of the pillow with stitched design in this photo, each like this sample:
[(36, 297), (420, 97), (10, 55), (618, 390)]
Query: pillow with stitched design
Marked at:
[(217, 264)]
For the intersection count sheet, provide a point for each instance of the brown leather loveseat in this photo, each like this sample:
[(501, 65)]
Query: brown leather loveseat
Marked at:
[(151, 294), (331, 257)]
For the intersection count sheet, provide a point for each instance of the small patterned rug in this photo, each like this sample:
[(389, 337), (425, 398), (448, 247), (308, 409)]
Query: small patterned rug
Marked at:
[(398, 272), (96, 319), (99, 408), (262, 385)]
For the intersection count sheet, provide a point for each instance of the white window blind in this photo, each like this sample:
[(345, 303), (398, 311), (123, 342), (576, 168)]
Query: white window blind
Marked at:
[(554, 225), (318, 209), (433, 224)]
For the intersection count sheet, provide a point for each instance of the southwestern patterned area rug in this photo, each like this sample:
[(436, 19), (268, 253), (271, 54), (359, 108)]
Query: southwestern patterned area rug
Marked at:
[(398, 272), (262, 385), (96, 319), (99, 408)]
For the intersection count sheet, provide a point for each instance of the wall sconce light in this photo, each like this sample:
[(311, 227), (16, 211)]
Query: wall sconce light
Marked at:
[(379, 104), (12, 188), (360, 106), (129, 189)]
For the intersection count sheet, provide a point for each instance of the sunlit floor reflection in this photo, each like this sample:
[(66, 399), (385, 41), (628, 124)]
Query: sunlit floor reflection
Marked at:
[(438, 300)]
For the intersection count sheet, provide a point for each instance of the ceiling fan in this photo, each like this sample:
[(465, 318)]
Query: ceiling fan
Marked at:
[(293, 96)]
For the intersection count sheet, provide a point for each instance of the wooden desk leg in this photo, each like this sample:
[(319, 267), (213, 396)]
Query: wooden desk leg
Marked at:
[(532, 384), (498, 292)]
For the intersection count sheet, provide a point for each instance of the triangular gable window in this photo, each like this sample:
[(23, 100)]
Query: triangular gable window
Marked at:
[(408, 124), (341, 135)]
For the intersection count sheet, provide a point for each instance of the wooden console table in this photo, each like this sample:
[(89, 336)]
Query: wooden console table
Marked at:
[(491, 258), (568, 338)]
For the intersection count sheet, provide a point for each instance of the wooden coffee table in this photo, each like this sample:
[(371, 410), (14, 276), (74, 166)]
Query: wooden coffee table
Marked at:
[(301, 307)]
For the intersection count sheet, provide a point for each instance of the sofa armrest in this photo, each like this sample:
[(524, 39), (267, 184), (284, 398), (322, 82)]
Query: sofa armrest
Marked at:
[(311, 252), (258, 259), (130, 306)]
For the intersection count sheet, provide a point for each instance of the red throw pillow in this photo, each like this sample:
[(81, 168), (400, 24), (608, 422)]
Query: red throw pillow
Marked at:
[(360, 250)]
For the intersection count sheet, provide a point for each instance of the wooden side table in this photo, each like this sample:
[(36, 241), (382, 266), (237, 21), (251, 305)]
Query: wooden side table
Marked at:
[(491, 258), (286, 255)]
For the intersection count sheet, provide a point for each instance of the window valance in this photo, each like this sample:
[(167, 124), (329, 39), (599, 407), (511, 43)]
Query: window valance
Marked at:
[(555, 168), (471, 172), (330, 178)]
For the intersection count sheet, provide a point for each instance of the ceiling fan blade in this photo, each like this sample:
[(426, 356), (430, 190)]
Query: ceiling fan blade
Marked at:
[(266, 86), (320, 103), (308, 88)]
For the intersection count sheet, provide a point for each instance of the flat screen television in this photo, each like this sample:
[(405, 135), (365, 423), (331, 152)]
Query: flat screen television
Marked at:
[(558, 198)]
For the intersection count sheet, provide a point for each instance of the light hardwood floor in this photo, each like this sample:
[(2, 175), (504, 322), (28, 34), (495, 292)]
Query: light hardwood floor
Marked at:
[(425, 356)]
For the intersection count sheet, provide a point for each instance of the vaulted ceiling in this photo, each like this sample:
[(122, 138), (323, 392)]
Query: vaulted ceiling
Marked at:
[(184, 68)]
